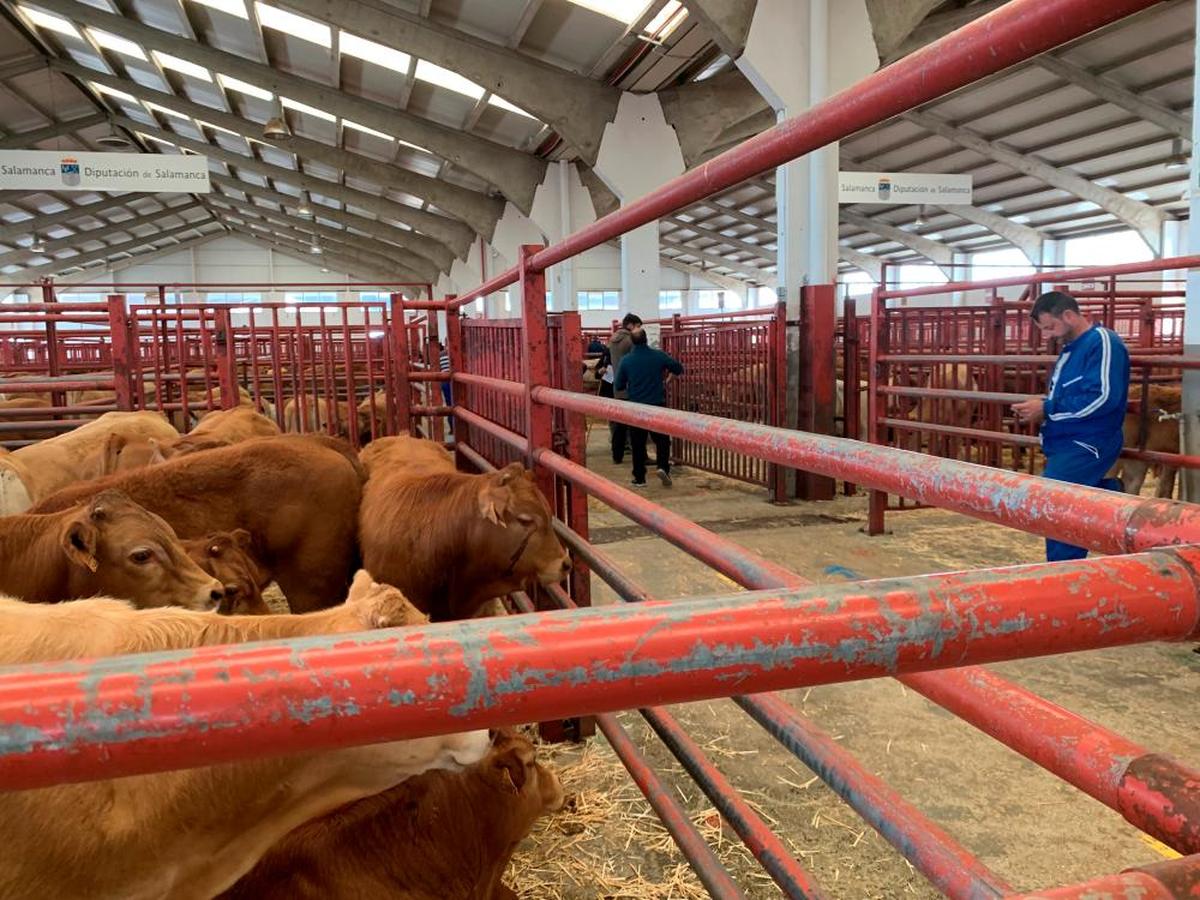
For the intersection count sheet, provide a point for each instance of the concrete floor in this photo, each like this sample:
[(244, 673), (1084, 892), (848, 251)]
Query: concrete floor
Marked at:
[(1025, 824)]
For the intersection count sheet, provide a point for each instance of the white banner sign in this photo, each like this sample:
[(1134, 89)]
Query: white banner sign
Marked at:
[(57, 170), (903, 187)]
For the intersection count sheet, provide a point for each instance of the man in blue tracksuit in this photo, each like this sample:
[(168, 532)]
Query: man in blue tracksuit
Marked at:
[(641, 373), (1084, 411)]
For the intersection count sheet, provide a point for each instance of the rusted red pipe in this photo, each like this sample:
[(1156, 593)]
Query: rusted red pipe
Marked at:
[(75, 721), (1017, 31), (1155, 793), (1089, 517), (1176, 879)]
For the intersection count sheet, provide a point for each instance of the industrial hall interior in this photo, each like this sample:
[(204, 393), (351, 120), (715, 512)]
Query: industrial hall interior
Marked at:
[(599, 450)]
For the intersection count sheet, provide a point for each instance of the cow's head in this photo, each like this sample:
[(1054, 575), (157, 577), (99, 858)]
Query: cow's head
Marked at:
[(229, 557), (513, 768), (116, 548), (522, 540)]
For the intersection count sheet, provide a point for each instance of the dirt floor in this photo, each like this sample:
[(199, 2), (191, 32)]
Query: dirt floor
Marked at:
[(1029, 827)]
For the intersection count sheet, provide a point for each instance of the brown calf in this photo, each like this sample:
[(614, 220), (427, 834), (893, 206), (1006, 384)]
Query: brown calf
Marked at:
[(439, 836), (449, 540), (297, 496), (229, 557), (192, 833), (108, 546)]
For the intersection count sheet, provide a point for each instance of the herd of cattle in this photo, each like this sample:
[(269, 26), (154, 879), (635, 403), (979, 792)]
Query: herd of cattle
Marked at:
[(185, 531)]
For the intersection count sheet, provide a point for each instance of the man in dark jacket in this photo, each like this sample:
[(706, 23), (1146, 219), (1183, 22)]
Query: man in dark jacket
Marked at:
[(1083, 414), (618, 346), (640, 374)]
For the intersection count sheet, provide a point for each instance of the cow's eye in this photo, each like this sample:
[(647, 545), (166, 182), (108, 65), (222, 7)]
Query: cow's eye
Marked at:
[(525, 519), (214, 550), (141, 557)]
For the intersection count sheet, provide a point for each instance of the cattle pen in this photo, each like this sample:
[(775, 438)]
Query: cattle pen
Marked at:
[(571, 665)]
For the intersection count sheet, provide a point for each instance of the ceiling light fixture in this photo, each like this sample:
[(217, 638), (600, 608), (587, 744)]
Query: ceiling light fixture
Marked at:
[(276, 127), (37, 246), (922, 214), (304, 209), (114, 139)]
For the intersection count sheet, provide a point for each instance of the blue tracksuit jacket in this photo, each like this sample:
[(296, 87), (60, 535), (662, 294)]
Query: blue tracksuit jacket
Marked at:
[(1085, 412), (1089, 389)]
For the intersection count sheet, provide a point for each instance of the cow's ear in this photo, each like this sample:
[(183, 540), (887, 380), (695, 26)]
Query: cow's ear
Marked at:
[(112, 452), (157, 456), (79, 540), (510, 769), (243, 538), (361, 586), (495, 495)]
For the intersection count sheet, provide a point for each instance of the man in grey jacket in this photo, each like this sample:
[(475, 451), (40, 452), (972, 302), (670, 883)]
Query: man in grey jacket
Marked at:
[(620, 344)]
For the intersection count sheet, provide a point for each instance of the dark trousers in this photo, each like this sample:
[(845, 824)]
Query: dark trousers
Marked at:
[(448, 396), (662, 451), (1079, 464), (618, 432)]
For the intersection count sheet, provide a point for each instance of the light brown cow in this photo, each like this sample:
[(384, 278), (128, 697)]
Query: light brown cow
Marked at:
[(449, 540), (219, 428), (229, 557), (1162, 436), (189, 834), (318, 415), (401, 845), (108, 546), (31, 474), (297, 495)]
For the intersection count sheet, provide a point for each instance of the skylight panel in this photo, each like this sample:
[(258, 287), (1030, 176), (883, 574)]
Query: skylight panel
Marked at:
[(365, 130), (427, 71), (310, 110), (625, 11), (113, 92), (167, 61), (166, 112), (156, 140), (233, 84), (414, 146), (118, 44), (388, 57), (667, 20), (296, 26), (217, 127), (233, 7), (496, 100), (713, 67), (51, 23)]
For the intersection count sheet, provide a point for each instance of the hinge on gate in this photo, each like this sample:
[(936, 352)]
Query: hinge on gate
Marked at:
[(560, 442)]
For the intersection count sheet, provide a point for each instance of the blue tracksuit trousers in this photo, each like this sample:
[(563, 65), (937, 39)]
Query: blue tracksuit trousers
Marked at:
[(1073, 462)]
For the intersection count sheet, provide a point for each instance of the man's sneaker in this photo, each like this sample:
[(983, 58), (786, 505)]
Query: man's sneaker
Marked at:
[(637, 484), (665, 477)]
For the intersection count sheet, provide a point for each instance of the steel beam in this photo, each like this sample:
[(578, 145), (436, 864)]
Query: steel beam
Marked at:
[(941, 255), (726, 21), (575, 106), (26, 139), (82, 259), (393, 255), (872, 265), (18, 257), (1106, 89), (42, 222), (1028, 240), (516, 174), (351, 245), (1143, 218), (431, 248), (478, 211)]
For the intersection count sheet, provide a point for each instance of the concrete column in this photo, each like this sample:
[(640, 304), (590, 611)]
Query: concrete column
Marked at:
[(960, 273), (1190, 434), (638, 153)]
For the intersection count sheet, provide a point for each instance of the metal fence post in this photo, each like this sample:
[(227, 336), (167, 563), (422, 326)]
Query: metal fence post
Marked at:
[(816, 378), (877, 508), (225, 357), (777, 402), (398, 336), (458, 393), (539, 419), (122, 355), (851, 377)]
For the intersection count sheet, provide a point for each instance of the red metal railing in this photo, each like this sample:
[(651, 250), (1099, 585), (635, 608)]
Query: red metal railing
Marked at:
[(557, 664)]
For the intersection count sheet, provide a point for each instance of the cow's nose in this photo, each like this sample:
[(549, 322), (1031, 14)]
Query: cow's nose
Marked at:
[(566, 565)]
